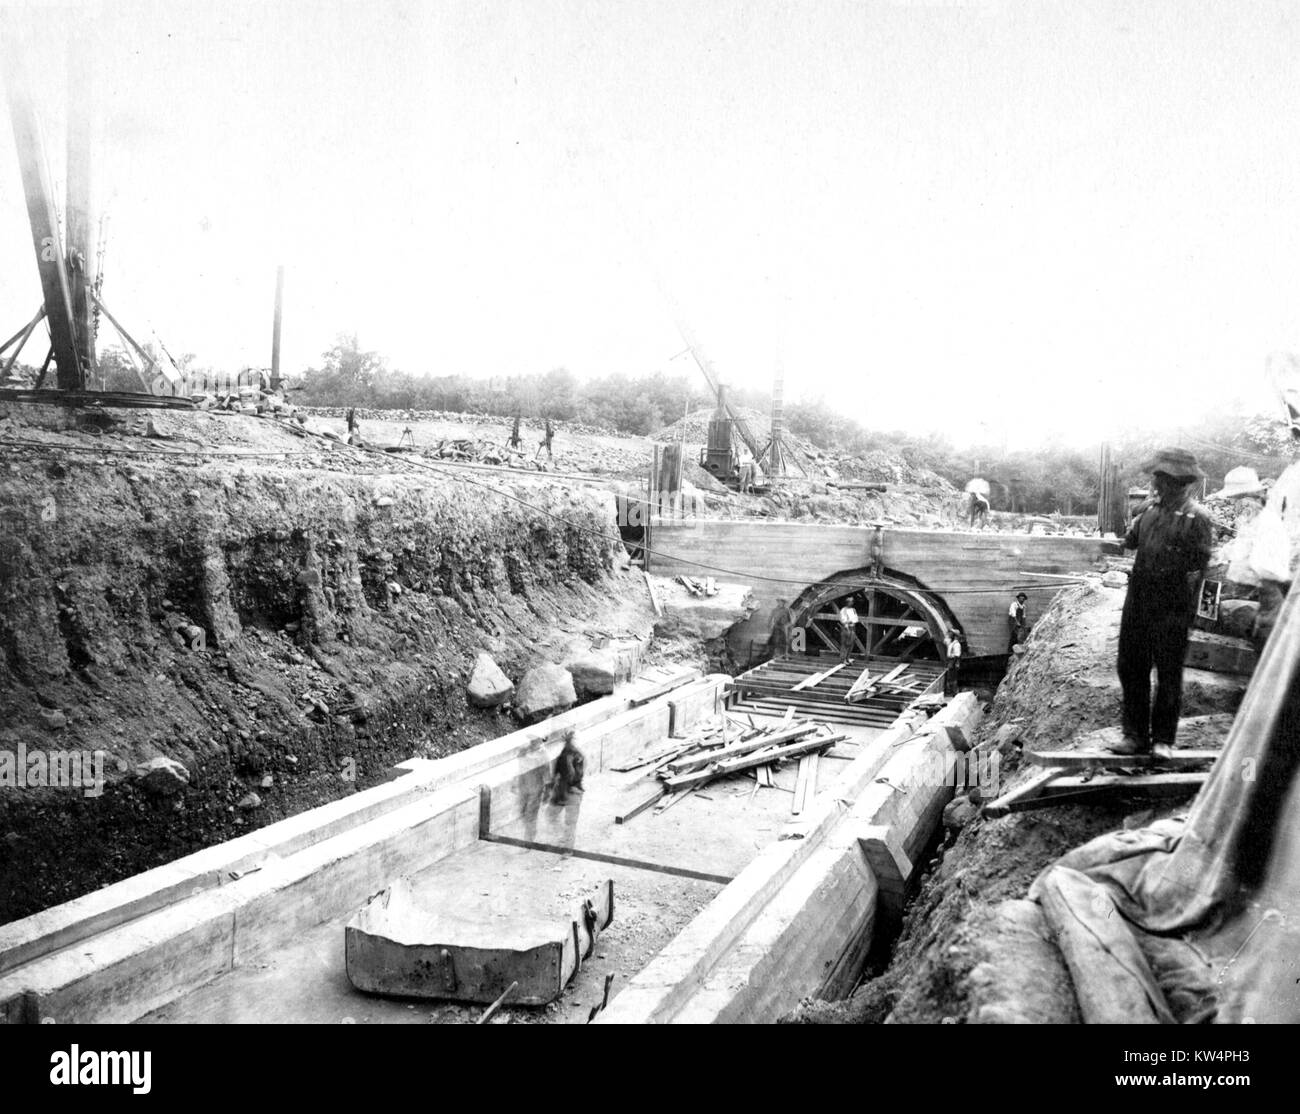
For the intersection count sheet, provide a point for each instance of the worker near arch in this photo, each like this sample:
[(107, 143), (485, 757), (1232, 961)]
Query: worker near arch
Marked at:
[(1017, 622), (1172, 537), (979, 510), (848, 624), (952, 678)]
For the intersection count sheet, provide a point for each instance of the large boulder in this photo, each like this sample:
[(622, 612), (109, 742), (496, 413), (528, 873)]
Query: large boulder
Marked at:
[(594, 674), (544, 691), (488, 686), (162, 776), (959, 812), (1237, 617)]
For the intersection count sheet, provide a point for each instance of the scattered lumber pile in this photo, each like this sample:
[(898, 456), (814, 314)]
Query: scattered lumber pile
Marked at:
[(706, 586), (900, 679), (720, 748)]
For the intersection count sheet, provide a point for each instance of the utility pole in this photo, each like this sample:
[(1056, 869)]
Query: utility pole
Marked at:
[(275, 334)]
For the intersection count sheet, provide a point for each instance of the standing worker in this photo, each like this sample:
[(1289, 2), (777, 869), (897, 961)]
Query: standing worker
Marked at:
[(745, 468), (848, 624), (546, 441), (1172, 538), (1016, 622), (952, 678), (979, 510), (516, 441)]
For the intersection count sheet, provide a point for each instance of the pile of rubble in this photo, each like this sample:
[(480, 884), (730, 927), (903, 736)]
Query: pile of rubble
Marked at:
[(484, 452), (247, 400)]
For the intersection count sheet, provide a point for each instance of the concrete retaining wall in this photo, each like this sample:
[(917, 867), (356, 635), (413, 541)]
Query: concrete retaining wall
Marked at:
[(130, 948), (799, 919)]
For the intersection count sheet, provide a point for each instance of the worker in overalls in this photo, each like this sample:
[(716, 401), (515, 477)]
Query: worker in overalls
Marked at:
[(1173, 539)]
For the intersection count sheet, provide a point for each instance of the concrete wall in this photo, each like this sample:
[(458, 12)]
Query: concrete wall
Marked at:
[(976, 574), (800, 917)]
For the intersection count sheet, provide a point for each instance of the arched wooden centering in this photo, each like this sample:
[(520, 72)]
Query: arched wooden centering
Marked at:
[(895, 619)]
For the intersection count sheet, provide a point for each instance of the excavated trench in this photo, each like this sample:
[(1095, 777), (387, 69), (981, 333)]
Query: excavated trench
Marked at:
[(971, 949), (242, 644), (268, 642)]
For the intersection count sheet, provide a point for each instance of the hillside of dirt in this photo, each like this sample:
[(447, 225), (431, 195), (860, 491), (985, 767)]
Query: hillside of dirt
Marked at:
[(971, 949), (279, 618)]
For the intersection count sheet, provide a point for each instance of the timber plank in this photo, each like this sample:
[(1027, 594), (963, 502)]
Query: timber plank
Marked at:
[(1094, 759), (1030, 789)]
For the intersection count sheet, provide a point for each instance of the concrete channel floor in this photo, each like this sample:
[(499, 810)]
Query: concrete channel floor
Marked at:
[(715, 831)]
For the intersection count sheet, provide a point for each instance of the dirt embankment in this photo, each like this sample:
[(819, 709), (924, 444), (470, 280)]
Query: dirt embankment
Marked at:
[(969, 950), (283, 631)]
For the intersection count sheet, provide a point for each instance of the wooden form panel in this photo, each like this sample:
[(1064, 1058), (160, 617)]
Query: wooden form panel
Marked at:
[(976, 574)]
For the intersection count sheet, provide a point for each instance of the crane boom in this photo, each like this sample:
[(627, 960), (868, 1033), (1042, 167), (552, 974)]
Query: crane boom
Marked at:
[(715, 385)]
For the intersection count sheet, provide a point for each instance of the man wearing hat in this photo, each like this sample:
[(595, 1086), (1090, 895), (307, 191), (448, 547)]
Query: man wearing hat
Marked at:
[(1242, 498), (1172, 537), (1242, 483), (1016, 622)]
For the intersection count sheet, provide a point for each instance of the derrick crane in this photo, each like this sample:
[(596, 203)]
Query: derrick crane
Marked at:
[(68, 265), (719, 457)]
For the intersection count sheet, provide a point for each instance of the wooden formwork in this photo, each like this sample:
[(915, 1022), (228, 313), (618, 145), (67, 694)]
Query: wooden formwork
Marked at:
[(775, 686)]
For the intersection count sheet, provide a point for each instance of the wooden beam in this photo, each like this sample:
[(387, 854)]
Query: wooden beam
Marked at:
[(1094, 759), (42, 215), (144, 356), (812, 626), (647, 799), (1008, 801), (871, 621), (23, 333), (650, 587), (818, 678), (762, 758)]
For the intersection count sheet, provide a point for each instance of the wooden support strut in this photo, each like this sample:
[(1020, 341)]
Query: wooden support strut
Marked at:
[(148, 360), (21, 336)]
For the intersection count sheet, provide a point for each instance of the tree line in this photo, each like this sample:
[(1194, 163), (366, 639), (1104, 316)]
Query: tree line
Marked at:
[(1043, 480)]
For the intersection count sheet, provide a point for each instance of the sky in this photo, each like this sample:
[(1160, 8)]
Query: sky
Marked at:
[(1014, 221)]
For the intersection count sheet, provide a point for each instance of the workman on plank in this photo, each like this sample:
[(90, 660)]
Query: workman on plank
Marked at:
[(1172, 538)]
